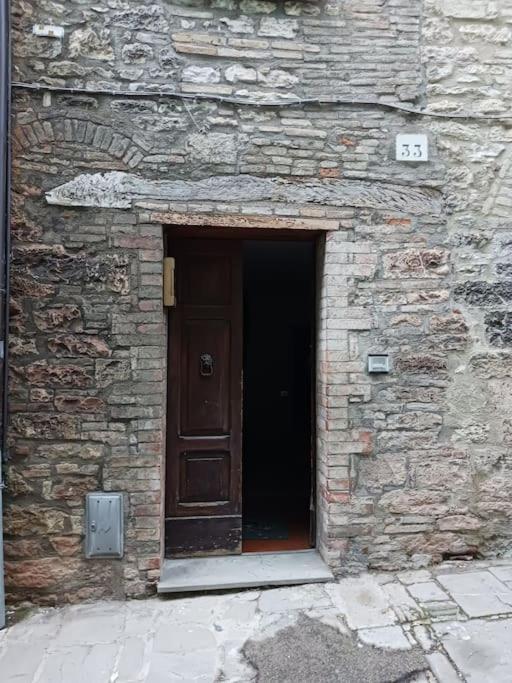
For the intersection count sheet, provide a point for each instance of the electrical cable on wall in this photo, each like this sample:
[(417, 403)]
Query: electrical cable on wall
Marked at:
[(319, 101)]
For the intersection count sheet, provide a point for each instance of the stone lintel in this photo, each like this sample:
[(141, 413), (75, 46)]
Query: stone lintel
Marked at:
[(119, 190)]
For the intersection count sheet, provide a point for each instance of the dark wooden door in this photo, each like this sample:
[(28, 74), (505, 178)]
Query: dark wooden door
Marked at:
[(204, 450)]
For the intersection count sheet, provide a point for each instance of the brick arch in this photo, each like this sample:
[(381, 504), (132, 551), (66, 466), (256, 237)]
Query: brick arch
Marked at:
[(128, 149)]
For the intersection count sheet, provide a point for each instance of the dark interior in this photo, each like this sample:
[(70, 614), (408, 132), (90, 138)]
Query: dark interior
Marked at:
[(279, 290)]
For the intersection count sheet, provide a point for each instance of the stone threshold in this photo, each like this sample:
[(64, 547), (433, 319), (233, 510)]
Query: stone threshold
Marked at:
[(243, 571)]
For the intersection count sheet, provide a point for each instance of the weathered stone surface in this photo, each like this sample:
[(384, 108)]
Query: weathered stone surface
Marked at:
[(415, 263), (492, 365), (86, 42), (278, 28), (259, 115), (79, 404), (216, 148), (111, 371), (22, 347), (43, 374), (485, 293), (498, 326), (201, 74), (146, 18), (21, 522), (237, 72), (136, 53), (70, 489), (84, 345), (64, 317), (45, 426), (120, 190)]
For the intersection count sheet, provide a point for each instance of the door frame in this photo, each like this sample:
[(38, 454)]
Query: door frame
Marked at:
[(173, 233)]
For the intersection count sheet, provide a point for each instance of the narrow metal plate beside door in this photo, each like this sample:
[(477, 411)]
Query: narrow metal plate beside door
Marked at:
[(104, 525)]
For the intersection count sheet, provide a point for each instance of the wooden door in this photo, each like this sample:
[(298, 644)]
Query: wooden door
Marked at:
[(204, 450)]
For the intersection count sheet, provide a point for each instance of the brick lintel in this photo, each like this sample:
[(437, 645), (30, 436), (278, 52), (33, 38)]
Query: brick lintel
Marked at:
[(243, 221)]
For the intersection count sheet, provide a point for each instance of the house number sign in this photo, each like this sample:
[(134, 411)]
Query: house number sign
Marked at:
[(411, 147)]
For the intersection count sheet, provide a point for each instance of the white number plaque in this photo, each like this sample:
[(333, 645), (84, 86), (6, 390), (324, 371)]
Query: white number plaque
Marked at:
[(411, 147)]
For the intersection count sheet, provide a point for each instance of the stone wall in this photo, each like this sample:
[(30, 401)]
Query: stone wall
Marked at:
[(416, 261)]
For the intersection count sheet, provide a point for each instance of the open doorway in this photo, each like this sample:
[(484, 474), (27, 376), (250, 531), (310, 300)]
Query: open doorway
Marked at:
[(239, 467), (278, 362)]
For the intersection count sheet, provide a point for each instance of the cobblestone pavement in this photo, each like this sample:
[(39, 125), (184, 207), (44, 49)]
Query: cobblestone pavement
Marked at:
[(456, 620)]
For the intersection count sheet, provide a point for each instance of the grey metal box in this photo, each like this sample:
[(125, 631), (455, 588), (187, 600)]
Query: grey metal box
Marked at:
[(378, 363), (104, 533)]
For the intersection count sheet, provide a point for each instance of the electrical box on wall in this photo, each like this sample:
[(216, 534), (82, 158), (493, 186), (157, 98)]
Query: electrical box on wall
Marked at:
[(378, 363), (104, 533)]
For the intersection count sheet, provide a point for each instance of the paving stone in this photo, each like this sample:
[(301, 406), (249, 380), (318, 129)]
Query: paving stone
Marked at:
[(414, 576), (300, 597), (20, 661), (80, 664), (183, 637), (131, 662), (478, 593), (481, 650), (329, 617), (240, 611), (42, 626), (160, 669), (83, 626), (140, 621), (442, 668), (423, 636), (391, 637), (363, 602), (193, 666), (403, 605), (427, 592), (442, 610), (502, 573), (201, 638)]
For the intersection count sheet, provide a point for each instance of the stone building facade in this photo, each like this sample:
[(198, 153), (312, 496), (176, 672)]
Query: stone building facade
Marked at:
[(263, 114)]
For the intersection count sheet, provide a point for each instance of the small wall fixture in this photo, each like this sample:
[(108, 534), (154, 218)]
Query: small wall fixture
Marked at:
[(378, 363), (104, 536), (169, 292)]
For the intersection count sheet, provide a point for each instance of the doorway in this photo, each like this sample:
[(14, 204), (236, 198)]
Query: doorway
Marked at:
[(277, 385), (240, 456)]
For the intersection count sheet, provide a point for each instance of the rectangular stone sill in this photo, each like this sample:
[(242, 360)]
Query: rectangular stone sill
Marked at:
[(243, 571)]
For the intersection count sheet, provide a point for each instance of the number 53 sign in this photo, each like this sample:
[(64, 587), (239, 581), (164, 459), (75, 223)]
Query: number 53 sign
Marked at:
[(411, 148)]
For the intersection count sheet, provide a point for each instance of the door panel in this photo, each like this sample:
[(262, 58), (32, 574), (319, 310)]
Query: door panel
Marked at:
[(203, 477), (205, 393)]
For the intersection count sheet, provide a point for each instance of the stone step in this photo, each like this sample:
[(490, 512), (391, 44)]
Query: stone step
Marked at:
[(243, 571)]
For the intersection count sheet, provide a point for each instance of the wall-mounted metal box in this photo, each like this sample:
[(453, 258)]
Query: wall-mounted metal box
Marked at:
[(104, 533), (378, 363)]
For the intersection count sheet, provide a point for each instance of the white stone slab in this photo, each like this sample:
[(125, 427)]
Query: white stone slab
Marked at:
[(478, 593), (287, 599), (426, 592), (414, 576), (404, 606), (241, 571), (444, 671), (391, 637), (363, 602), (502, 573), (482, 650)]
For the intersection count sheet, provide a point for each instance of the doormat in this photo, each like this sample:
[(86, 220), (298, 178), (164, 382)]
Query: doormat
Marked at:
[(264, 530)]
